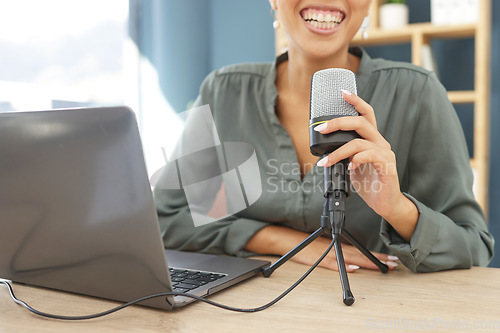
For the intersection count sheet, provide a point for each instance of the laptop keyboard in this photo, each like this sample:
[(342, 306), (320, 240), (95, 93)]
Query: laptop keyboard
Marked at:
[(184, 280)]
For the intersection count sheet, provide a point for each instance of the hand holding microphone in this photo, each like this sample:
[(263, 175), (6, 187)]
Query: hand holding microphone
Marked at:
[(372, 163)]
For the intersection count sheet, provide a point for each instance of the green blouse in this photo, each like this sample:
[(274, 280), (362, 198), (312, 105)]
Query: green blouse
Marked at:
[(413, 114)]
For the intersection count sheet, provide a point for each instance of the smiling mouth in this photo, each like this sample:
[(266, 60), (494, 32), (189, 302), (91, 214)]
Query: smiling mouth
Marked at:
[(322, 19)]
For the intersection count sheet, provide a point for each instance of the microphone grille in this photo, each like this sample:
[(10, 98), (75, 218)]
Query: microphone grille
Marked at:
[(326, 95)]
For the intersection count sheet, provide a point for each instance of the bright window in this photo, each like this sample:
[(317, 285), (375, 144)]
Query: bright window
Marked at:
[(60, 53)]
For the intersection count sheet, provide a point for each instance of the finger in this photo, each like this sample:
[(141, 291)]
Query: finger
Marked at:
[(350, 268), (360, 260), (391, 264), (368, 264), (383, 161), (358, 124), (355, 258), (364, 109), (331, 262), (348, 150)]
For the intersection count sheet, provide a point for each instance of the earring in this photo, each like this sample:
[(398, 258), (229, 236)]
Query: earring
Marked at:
[(276, 22), (364, 27)]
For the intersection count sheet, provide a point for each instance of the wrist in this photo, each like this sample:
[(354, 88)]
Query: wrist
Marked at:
[(274, 240), (265, 241), (404, 218)]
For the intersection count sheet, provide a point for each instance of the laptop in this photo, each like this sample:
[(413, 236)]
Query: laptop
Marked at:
[(77, 212)]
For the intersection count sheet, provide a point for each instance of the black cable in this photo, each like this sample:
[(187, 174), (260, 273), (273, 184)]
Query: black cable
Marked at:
[(202, 299)]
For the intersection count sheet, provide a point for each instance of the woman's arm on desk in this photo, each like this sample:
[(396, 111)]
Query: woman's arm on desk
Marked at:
[(279, 240)]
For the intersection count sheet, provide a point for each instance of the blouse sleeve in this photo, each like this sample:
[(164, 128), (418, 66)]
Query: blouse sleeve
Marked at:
[(228, 235), (451, 231)]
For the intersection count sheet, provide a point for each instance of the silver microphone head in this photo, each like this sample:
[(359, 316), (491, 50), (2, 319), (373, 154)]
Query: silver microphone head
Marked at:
[(326, 95)]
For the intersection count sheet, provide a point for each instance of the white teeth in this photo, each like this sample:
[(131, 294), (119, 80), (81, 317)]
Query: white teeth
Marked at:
[(322, 25), (323, 21)]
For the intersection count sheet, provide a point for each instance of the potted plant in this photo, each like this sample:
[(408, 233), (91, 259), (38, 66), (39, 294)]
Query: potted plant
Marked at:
[(393, 14)]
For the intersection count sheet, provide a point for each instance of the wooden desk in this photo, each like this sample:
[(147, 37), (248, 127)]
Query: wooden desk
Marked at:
[(464, 300)]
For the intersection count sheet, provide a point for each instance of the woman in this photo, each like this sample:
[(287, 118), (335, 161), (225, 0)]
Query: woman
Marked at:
[(411, 150)]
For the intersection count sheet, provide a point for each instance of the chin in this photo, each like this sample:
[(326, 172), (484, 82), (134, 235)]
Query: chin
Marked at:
[(322, 51)]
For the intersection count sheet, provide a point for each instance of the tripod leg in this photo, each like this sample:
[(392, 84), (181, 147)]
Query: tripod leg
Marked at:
[(383, 267), (269, 270), (344, 281)]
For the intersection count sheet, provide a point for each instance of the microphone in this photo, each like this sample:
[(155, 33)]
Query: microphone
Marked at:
[(327, 103)]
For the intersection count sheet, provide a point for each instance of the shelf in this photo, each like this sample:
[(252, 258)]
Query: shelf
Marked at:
[(462, 97), (407, 34), (475, 164)]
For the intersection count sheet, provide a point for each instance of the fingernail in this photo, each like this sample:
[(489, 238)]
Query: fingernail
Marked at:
[(392, 258), (350, 166), (347, 92), (392, 264), (322, 162), (353, 267), (320, 127)]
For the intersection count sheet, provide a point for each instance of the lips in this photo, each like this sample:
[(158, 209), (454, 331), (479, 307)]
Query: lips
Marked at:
[(322, 19)]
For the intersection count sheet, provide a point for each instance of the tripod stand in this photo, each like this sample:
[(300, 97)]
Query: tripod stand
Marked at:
[(332, 221)]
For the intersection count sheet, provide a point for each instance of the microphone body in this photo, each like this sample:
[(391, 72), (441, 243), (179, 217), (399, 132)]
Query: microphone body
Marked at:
[(327, 103)]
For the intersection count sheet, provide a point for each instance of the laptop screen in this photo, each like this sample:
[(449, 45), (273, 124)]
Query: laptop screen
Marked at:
[(77, 212)]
